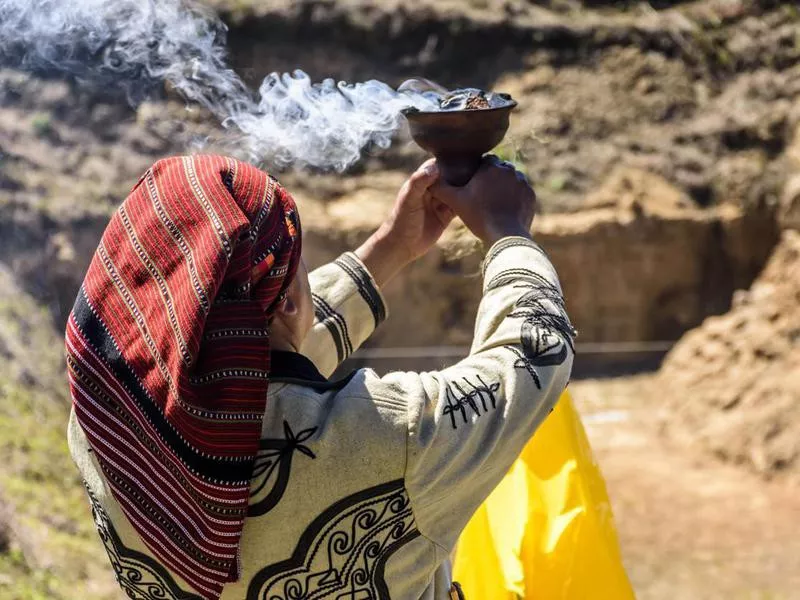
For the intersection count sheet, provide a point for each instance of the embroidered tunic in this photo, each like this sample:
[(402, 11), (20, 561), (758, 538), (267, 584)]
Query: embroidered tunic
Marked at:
[(363, 485)]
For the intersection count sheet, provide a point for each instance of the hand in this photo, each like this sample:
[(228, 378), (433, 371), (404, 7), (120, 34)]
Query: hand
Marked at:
[(497, 202), (415, 224), (417, 220)]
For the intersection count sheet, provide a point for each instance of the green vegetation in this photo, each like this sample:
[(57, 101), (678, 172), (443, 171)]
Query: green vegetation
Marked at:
[(19, 582), (48, 545), (42, 124), (557, 182), (54, 551), (510, 152)]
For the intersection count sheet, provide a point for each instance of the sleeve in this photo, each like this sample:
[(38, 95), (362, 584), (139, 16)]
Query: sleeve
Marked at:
[(468, 423), (348, 307)]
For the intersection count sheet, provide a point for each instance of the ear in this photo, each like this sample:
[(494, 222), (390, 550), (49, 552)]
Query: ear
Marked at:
[(287, 307)]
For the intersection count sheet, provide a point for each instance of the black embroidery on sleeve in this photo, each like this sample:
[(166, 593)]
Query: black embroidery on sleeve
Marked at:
[(273, 465), (336, 325), (140, 576), (510, 242), (343, 553), (546, 332), (467, 398), (366, 288)]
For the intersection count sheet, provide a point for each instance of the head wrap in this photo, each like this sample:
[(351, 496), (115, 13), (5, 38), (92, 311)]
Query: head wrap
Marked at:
[(168, 353)]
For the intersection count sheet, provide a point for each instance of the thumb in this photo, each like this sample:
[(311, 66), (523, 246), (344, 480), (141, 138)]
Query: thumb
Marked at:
[(423, 178)]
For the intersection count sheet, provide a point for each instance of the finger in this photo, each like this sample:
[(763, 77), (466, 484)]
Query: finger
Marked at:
[(496, 161), (444, 193), (442, 211), (423, 178), (445, 214)]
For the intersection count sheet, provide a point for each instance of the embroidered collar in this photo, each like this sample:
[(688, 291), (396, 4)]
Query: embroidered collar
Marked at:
[(291, 367)]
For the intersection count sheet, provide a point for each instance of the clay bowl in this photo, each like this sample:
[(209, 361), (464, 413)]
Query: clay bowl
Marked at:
[(459, 138)]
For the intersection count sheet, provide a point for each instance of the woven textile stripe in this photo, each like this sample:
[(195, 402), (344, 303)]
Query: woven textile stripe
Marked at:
[(168, 353)]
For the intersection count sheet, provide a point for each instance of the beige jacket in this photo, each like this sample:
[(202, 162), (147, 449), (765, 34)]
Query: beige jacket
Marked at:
[(363, 485)]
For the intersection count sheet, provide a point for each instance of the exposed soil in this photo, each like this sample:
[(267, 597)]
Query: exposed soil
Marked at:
[(689, 526), (694, 96), (699, 92), (733, 385)]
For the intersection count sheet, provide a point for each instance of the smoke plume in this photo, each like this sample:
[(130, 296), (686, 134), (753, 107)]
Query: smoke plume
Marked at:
[(136, 45)]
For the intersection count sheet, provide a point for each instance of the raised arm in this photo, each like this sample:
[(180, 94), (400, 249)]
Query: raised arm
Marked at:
[(348, 306), (468, 423), (347, 302)]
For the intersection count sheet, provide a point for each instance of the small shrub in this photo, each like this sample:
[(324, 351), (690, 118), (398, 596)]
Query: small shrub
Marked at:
[(42, 124)]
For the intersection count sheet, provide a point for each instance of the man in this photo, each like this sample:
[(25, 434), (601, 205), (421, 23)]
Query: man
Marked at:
[(219, 459)]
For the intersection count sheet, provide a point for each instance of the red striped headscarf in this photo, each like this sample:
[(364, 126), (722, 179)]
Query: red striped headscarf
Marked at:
[(168, 353)]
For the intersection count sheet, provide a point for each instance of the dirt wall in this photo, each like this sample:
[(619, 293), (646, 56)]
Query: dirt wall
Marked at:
[(733, 385)]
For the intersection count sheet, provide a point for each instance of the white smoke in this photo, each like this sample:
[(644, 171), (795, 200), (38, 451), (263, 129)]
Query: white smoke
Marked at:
[(132, 45), (324, 124)]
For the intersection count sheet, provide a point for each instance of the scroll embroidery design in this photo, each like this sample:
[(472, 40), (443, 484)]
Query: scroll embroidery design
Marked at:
[(273, 465), (467, 398), (139, 576), (546, 331), (343, 552)]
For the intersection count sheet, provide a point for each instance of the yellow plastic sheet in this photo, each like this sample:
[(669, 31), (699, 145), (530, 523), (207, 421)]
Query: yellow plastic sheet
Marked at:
[(546, 532)]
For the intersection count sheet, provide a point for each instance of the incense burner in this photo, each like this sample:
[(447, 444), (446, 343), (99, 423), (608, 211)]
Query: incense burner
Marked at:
[(458, 135)]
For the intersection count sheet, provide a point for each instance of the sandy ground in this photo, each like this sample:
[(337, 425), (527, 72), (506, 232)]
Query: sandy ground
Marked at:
[(690, 527)]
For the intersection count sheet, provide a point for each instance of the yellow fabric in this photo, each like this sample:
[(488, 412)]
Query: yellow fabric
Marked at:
[(546, 532)]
